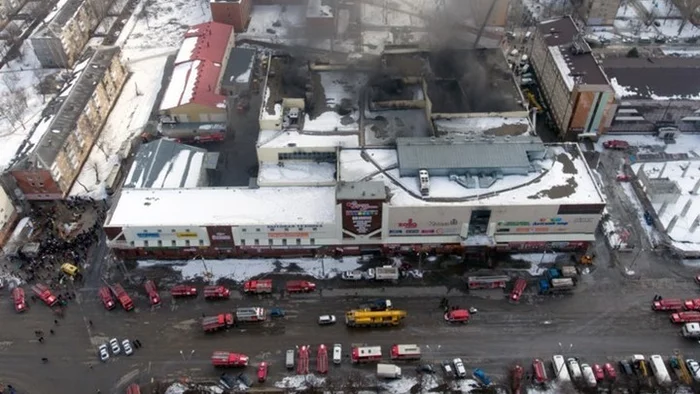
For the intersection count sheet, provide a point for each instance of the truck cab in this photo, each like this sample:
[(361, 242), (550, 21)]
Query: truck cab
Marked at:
[(691, 330)]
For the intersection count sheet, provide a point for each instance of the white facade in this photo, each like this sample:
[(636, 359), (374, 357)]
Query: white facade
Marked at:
[(282, 236), (166, 237), (7, 209)]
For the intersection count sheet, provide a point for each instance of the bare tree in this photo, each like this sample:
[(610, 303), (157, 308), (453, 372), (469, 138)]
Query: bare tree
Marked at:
[(11, 80), (102, 145), (13, 106), (95, 167)]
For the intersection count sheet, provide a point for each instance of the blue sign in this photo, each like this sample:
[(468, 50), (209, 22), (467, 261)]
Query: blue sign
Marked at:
[(148, 235)]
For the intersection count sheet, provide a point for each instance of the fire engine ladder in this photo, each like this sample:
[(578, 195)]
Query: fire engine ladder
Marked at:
[(683, 373)]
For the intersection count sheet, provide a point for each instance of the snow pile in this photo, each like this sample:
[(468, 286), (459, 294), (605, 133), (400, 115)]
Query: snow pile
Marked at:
[(398, 386), (622, 91), (539, 262), (300, 382), (241, 270)]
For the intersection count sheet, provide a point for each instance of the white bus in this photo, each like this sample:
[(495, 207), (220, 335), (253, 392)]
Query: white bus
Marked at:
[(660, 371)]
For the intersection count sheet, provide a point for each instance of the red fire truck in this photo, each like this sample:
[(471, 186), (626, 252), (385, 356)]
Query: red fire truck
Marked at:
[(45, 294), (228, 359), (690, 305), (106, 297), (685, 317), (487, 282), (303, 361), (263, 286), (457, 316), (300, 286), (366, 354), (183, 291), (405, 352), (675, 305), (518, 288), (216, 293), (218, 322), (322, 359), (540, 373), (153, 295), (133, 389), (18, 298), (122, 296)]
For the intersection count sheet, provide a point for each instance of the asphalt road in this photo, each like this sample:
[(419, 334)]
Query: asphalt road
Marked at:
[(607, 319)]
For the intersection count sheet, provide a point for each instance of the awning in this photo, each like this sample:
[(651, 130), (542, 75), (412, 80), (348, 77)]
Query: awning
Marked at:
[(562, 237)]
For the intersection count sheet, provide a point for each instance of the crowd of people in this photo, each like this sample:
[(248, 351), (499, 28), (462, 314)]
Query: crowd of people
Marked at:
[(57, 246)]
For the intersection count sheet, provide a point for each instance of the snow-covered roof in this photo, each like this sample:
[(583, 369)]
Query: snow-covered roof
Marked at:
[(483, 125), (564, 178), (293, 138), (166, 164), (296, 173), (223, 206), (685, 175), (193, 82), (658, 78), (338, 89)]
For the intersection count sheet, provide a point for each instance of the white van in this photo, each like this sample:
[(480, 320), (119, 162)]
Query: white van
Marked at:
[(660, 371), (289, 360), (560, 371), (574, 368), (337, 353), (588, 375)]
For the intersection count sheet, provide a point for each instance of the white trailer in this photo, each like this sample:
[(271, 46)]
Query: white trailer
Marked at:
[(386, 272), (561, 373), (388, 371), (660, 371)]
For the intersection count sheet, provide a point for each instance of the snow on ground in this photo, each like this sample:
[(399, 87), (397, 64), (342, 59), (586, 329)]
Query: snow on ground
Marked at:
[(18, 126), (634, 200), (296, 173), (241, 270), (681, 52), (660, 8), (154, 32), (539, 262), (677, 28), (627, 11), (338, 88), (300, 382), (616, 237)]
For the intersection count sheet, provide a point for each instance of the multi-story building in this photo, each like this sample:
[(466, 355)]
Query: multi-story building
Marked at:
[(63, 34), (8, 216), (48, 173), (581, 101), (192, 108), (598, 12), (231, 12)]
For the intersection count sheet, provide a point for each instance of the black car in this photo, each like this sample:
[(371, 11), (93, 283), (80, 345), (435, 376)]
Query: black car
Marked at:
[(228, 381), (245, 379), (425, 368), (626, 367), (448, 369)]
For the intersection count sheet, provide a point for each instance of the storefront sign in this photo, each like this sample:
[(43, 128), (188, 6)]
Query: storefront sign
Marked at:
[(220, 236), (148, 235), (429, 227), (362, 217), (541, 222), (288, 235), (186, 235)]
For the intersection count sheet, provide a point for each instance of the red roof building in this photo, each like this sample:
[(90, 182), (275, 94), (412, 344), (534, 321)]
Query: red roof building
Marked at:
[(191, 94)]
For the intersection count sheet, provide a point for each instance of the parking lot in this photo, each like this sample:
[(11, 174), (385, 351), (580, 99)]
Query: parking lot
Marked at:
[(607, 319)]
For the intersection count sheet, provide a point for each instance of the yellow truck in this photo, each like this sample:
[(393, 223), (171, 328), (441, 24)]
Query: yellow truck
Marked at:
[(364, 318)]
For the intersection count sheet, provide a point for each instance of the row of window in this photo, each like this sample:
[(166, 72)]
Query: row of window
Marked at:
[(329, 157), (270, 242)]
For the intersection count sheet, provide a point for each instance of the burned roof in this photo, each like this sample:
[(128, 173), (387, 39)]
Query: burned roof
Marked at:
[(662, 77), (239, 66), (564, 35)]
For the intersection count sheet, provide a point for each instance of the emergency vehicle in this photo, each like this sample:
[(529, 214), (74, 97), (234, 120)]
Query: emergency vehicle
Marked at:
[(18, 299), (405, 352), (366, 354)]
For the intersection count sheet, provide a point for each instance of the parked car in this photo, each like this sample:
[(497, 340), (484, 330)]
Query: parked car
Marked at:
[(693, 368), (114, 344), (127, 347), (104, 353), (598, 372), (325, 320), (276, 312), (425, 368), (262, 372), (626, 367), (610, 371), (352, 275), (459, 368), (448, 370), (245, 379), (337, 353)]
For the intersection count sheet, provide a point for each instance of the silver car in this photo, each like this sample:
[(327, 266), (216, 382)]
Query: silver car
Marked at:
[(103, 352), (127, 347), (325, 320), (114, 344), (459, 368)]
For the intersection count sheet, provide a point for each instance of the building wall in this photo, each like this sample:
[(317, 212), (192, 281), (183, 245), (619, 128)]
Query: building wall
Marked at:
[(592, 111), (599, 12), (196, 113), (552, 84), (65, 48), (37, 184), (236, 14), (8, 217)]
